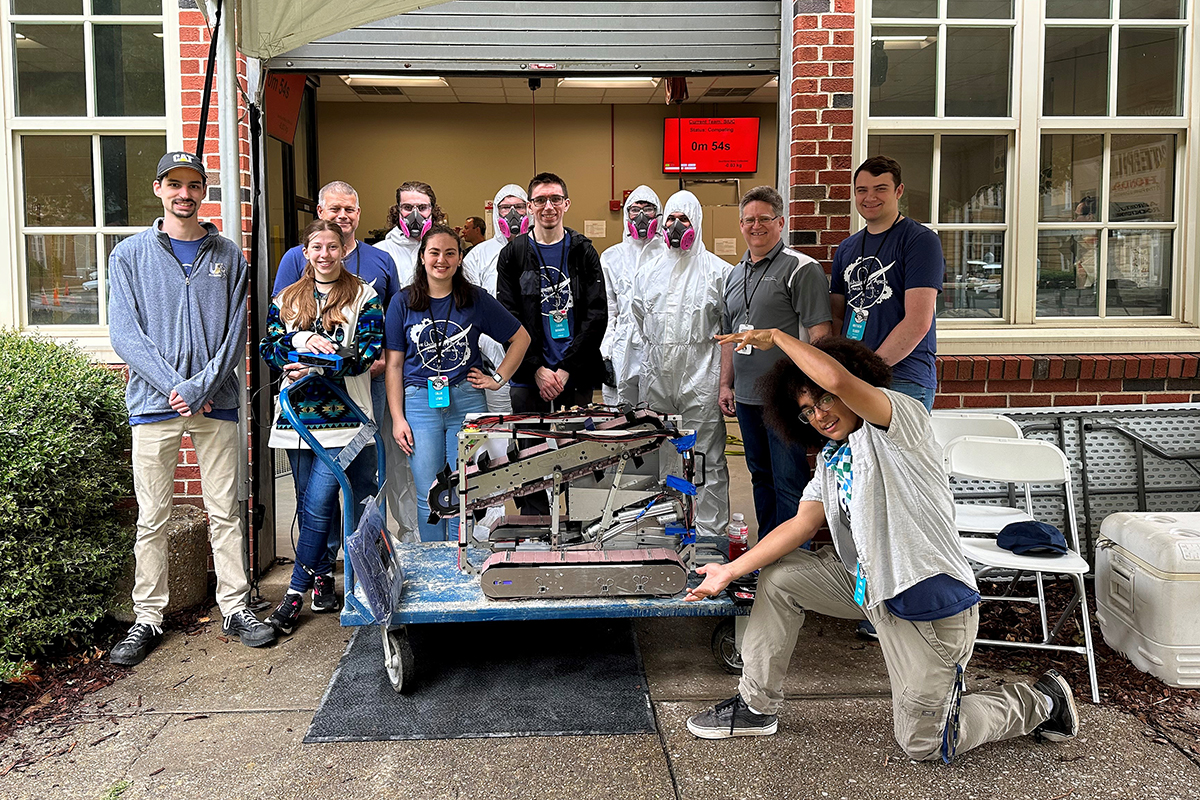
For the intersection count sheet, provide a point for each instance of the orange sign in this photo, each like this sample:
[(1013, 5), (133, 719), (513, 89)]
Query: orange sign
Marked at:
[(283, 95)]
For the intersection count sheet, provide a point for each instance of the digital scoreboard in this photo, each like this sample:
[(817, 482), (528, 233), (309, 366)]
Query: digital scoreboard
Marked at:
[(710, 144)]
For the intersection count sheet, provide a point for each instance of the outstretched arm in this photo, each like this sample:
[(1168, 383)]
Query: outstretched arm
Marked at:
[(865, 400)]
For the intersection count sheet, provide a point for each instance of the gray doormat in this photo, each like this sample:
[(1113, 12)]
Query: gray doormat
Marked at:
[(532, 678)]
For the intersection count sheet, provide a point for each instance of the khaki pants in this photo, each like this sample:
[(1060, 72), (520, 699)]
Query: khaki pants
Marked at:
[(155, 454), (923, 658)]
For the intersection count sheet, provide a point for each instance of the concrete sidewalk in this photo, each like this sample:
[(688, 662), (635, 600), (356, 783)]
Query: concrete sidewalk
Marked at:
[(203, 718)]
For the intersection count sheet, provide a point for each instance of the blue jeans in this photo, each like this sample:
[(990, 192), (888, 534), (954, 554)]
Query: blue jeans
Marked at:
[(362, 490), (778, 470), (435, 444), (320, 514), (916, 391)]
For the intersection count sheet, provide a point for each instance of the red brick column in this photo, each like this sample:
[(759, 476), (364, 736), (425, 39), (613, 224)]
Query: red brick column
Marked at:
[(822, 125)]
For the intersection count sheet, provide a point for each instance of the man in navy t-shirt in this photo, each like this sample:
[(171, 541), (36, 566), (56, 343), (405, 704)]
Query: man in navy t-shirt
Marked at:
[(886, 279)]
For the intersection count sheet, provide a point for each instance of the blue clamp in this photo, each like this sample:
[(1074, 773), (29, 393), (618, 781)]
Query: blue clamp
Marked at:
[(686, 535), (589, 424), (680, 485), (685, 443)]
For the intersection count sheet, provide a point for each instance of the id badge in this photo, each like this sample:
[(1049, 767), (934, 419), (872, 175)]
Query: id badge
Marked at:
[(745, 349), (858, 326), (860, 586), (560, 326), (439, 392)]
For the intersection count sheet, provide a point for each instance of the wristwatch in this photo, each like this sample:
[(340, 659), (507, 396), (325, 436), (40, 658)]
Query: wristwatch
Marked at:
[(498, 378)]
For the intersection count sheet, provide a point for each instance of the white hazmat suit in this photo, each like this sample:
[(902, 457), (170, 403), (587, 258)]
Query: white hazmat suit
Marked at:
[(621, 263), (400, 491), (403, 251), (676, 308), (480, 269)]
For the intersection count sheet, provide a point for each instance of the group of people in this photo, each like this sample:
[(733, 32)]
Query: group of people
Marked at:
[(533, 319)]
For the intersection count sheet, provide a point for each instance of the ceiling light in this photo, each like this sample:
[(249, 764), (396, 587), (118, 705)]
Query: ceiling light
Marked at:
[(431, 81), (607, 83)]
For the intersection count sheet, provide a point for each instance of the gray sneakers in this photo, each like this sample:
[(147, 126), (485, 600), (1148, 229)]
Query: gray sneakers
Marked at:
[(244, 625), (137, 644), (1064, 719), (732, 718)]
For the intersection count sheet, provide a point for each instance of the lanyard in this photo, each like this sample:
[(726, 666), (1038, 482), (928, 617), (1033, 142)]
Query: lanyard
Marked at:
[(863, 250), (542, 265), (746, 280), (440, 344)]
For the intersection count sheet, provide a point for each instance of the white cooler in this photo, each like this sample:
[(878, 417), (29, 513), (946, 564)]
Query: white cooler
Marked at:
[(1148, 592)]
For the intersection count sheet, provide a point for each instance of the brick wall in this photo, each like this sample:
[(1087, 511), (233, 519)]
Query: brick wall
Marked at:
[(193, 60), (1033, 381), (822, 125)]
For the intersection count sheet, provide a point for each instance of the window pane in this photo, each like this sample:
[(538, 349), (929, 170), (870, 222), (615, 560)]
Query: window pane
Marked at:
[(1078, 9), (1150, 72), (127, 165), (903, 72), (1070, 176), (1142, 173), (1152, 9), (978, 71), (127, 7), (1066, 268), (904, 8), (62, 278), (972, 179), (1076, 78), (300, 145), (979, 9), (129, 71), (58, 180), (50, 70), (915, 155), (973, 286), (46, 8), (1139, 273)]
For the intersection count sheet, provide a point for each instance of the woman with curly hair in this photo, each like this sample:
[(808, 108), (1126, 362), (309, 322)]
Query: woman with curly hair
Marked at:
[(895, 561), (415, 212)]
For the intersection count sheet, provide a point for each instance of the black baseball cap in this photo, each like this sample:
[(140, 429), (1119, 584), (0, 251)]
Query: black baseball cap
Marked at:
[(177, 159)]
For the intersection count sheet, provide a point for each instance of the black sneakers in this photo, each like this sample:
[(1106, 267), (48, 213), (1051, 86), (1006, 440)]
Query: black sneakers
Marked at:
[(283, 620), (324, 598), (138, 644), (1064, 720), (732, 718), (244, 625)]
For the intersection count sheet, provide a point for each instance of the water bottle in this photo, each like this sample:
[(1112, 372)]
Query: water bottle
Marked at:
[(739, 536)]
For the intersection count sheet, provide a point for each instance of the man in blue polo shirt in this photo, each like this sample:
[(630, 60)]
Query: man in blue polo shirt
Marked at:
[(338, 202)]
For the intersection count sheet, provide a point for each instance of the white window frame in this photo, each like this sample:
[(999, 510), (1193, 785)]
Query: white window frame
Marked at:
[(94, 339), (1018, 330)]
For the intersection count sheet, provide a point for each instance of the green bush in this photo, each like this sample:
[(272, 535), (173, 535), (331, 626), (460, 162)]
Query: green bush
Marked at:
[(63, 470)]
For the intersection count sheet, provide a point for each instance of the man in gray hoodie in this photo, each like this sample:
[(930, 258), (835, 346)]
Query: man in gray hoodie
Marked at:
[(177, 318)]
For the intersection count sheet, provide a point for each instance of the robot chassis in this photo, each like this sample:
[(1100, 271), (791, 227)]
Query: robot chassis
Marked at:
[(641, 542)]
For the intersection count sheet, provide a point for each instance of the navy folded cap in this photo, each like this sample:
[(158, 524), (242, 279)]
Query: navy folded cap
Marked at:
[(1032, 538)]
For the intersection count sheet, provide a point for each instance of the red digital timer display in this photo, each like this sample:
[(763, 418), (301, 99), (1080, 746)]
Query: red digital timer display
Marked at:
[(711, 144)]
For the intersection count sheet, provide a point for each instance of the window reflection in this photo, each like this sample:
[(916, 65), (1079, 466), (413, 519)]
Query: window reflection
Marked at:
[(1070, 176), (50, 67), (1066, 270), (903, 72), (63, 279), (58, 180), (973, 286), (1139, 273)]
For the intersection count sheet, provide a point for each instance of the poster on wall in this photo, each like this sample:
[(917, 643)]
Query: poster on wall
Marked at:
[(282, 104), (710, 144)]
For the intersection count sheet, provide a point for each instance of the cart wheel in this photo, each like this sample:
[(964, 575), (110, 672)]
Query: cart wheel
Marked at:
[(398, 659), (724, 647)]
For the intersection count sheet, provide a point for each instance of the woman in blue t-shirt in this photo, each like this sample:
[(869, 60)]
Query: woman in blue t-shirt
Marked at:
[(433, 363)]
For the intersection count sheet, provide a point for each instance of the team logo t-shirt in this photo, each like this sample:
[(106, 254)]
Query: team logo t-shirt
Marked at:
[(444, 340)]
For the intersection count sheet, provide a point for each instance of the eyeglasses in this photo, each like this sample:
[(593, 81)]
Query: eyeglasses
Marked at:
[(423, 209), (555, 200), (750, 222), (504, 209), (650, 211), (824, 404)]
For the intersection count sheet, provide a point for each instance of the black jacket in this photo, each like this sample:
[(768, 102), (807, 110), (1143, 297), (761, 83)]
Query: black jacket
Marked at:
[(519, 289)]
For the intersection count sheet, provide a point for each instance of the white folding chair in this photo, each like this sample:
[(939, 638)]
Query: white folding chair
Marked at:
[(1026, 461), (950, 425)]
